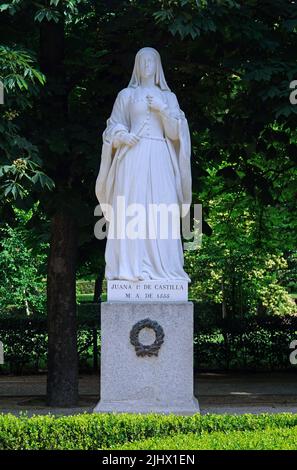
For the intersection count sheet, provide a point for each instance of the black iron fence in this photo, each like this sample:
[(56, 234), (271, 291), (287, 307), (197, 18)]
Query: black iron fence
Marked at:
[(239, 343)]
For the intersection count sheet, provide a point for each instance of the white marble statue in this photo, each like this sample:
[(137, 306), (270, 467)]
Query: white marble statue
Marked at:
[(145, 160)]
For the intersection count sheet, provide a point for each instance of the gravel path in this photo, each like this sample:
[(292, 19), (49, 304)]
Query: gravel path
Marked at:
[(217, 393)]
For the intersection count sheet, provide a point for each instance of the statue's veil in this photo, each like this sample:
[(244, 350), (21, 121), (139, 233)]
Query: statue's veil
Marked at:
[(159, 77)]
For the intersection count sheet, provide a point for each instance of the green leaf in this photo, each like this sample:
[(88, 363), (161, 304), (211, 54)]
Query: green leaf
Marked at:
[(40, 15), (4, 7)]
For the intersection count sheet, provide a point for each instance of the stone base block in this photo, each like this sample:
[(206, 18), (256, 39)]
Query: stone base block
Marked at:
[(147, 358)]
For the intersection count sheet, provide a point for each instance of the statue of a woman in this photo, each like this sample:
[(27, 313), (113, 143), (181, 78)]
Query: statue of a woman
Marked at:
[(145, 161)]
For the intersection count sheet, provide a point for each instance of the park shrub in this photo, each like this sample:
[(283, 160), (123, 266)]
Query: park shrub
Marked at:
[(102, 431), (264, 439)]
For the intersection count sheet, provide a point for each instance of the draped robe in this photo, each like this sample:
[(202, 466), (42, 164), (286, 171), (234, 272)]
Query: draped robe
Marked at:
[(155, 170)]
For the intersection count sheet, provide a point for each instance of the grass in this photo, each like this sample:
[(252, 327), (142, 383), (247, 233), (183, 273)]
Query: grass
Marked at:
[(85, 297)]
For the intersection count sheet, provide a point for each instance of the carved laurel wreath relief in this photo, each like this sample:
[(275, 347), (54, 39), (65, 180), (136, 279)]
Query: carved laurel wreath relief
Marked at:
[(147, 349)]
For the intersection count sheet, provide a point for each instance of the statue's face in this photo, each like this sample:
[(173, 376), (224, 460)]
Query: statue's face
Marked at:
[(147, 64)]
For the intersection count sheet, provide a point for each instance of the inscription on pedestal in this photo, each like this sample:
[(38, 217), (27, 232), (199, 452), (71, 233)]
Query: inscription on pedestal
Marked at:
[(163, 291)]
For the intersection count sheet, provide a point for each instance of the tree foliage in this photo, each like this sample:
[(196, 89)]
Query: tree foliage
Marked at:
[(230, 64)]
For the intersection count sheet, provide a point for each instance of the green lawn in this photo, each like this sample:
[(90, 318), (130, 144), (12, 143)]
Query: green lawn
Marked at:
[(85, 297)]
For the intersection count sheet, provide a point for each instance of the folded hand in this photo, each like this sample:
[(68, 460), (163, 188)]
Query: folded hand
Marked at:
[(155, 103), (129, 139)]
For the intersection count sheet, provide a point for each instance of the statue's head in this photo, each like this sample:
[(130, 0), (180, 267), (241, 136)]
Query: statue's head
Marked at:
[(148, 63)]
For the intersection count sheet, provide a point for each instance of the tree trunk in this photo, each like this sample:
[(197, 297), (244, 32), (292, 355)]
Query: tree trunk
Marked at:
[(62, 380), (98, 287)]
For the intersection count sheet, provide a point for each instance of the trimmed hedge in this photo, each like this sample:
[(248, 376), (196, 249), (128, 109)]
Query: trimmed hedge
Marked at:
[(104, 431), (266, 439)]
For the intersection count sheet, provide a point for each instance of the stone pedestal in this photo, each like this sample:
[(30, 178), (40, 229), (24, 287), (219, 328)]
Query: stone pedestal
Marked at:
[(147, 358)]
